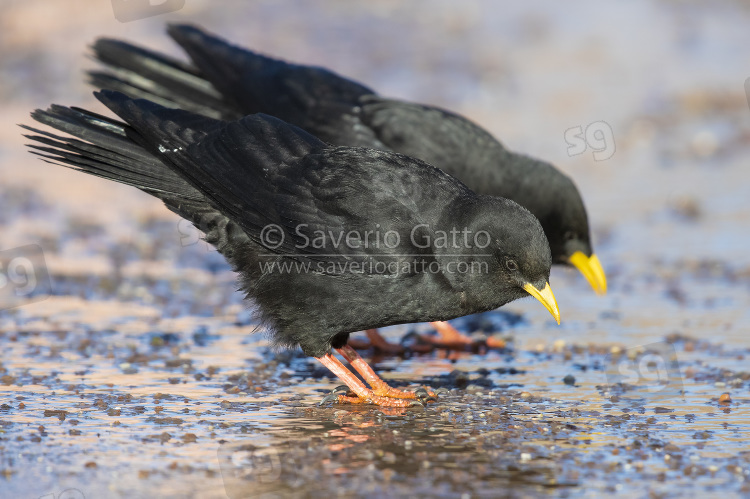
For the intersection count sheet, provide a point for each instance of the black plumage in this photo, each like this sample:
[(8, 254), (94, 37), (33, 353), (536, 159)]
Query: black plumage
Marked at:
[(236, 179), (229, 82)]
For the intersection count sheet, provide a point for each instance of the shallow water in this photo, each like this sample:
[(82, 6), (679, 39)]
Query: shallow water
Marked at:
[(135, 372)]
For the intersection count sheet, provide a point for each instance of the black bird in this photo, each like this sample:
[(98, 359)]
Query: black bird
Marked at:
[(225, 81), (395, 215)]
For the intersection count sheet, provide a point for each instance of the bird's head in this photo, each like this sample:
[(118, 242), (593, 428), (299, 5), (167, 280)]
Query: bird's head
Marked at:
[(508, 253), (556, 202)]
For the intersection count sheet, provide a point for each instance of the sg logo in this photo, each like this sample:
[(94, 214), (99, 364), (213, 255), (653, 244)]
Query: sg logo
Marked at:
[(132, 10), (23, 276), (251, 471), (651, 371), (598, 136)]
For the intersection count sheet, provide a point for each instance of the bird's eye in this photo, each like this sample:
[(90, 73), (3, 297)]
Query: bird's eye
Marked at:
[(570, 235), (511, 265)]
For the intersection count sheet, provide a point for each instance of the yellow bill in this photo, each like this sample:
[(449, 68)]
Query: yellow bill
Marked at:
[(591, 269), (546, 297)]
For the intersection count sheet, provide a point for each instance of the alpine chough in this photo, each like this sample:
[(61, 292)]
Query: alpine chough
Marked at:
[(226, 81), (401, 242)]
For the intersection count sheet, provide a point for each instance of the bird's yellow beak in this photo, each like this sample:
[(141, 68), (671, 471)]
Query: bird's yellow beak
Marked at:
[(592, 270), (546, 297)]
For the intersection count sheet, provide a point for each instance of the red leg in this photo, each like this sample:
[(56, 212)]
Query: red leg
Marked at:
[(380, 343), (450, 336), (493, 342), (379, 387), (364, 394)]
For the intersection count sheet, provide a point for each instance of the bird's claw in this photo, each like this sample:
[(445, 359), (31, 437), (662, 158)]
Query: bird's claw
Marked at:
[(331, 397), (411, 335), (341, 389), (424, 396), (334, 395)]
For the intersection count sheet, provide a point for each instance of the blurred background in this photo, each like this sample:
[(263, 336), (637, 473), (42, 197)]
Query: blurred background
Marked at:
[(642, 103)]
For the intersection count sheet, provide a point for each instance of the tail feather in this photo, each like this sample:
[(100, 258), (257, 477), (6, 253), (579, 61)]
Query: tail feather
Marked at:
[(147, 90), (141, 73), (228, 82), (90, 127), (100, 163), (165, 128), (255, 83), (101, 148)]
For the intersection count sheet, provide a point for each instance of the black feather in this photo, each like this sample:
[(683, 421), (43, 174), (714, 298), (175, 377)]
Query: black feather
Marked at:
[(343, 112), (236, 178)]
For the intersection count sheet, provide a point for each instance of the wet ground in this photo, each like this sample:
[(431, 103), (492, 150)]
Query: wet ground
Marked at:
[(131, 368)]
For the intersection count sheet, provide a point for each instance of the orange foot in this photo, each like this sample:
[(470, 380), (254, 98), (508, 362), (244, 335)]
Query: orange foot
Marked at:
[(380, 394), (452, 339), (379, 343), (383, 346), (448, 338)]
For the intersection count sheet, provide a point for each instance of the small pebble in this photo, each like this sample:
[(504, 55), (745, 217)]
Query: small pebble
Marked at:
[(569, 380)]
